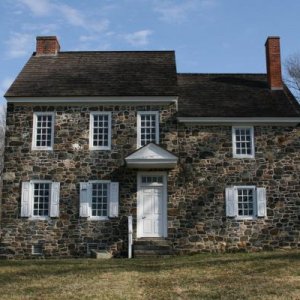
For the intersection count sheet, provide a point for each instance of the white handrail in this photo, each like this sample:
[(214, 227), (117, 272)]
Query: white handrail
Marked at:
[(130, 237)]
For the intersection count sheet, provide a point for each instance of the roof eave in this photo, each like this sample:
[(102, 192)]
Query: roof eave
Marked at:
[(292, 121)]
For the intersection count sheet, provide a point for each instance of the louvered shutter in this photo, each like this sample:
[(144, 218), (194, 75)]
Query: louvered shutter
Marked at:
[(231, 205), (261, 202), (84, 199), (54, 205), (114, 200), (25, 200)]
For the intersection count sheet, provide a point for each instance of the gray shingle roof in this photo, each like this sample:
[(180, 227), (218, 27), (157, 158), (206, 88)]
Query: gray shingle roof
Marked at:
[(122, 73), (151, 73), (233, 95)]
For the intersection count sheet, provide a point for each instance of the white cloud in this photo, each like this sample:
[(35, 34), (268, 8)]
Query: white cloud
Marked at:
[(172, 12), (72, 15), (42, 29), (69, 14), (87, 38), (38, 7), (19, 44), (138, 38)]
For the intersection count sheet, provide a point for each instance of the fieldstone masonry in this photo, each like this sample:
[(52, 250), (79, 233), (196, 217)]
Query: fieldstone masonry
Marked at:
[(196, 204)]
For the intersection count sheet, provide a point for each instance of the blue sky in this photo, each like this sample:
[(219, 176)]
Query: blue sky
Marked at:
[(222, 36)]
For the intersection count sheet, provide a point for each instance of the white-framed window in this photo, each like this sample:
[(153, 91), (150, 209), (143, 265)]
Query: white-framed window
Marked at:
[(99, 199), (243, 141), (43, 130), (246, 202), (147, 128), (100, 130), (40, 199)]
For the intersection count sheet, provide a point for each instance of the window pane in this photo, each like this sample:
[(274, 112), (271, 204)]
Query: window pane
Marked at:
[(245, 201), (99, 199), (41, 199), (243, 141), (148, 128), (100, 130), (44, 130)]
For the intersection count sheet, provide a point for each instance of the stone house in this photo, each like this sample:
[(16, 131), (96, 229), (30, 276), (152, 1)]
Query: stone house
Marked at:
[(202, 162)]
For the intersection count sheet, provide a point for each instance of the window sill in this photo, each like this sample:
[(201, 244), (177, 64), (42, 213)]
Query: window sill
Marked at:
[(97, 218), (243, 156), (99, 149), (39, 218), (41, 149)]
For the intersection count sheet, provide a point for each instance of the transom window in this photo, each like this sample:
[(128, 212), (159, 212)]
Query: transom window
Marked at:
[(99, 199), (243, 142), (41, 199), (152, 179), (100, 131), (148, 128), (245, 198), (43, 131)]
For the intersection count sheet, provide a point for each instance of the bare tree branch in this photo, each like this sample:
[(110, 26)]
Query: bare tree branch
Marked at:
[(292, 71)]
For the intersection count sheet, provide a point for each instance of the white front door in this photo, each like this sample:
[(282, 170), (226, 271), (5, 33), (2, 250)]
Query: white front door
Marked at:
[(151, 205)]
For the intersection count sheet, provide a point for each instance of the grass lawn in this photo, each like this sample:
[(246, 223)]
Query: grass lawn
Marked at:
[(266, 275)]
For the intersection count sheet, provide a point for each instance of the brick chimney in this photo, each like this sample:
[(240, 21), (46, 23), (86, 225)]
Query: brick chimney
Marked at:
[(273, 63), (47, 45)]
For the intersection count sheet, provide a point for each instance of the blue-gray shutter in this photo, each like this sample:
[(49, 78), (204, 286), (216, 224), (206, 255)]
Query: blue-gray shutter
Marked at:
[(231, 205), (25, 200), (261, 202), (54, 205), (114, 200), (84, 199)]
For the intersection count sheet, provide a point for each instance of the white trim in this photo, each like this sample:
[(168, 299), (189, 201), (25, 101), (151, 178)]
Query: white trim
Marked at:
[(34, 130), (234, 154), (100, 99), (237, 120), (157, 120), (91, 135), (164, 205), (151, 156), (236, 188)]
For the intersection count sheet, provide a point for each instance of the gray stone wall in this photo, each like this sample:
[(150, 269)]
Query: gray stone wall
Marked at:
[(197, 220), (196, 202), (70, 163)]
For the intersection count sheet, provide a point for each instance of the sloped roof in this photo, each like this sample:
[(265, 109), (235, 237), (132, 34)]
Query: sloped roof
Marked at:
[(233, 95), (105, 73)]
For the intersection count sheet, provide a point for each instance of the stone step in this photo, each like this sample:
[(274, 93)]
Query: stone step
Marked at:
[(152, 248), (152, 242)]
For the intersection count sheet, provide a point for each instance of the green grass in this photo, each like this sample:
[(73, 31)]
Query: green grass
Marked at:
[(266, 275)]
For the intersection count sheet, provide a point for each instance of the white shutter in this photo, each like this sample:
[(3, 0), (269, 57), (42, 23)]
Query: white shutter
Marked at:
[(114, 200), (54, 205), (231, 205), (84, 199), (25, 200), (261, 202)]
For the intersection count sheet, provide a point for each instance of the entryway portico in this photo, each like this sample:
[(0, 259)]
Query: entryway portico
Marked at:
[(152, 189)]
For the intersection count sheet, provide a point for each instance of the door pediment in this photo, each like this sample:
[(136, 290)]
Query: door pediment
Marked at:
[(151, 156)]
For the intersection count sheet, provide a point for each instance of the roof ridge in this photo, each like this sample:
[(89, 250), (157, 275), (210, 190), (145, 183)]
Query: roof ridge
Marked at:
[(114, 51)]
